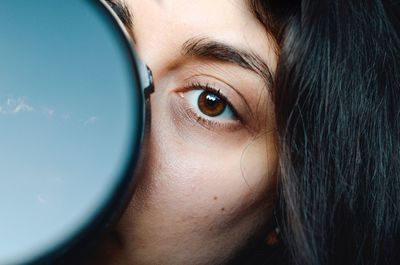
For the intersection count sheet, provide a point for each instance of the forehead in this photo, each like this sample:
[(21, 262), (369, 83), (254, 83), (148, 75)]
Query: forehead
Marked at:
[(229, 21), (222, 13)]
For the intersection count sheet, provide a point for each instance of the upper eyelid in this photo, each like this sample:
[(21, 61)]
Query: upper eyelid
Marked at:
[(123, 11), (212, 88), (207, 123), (204, 47), (195, 46), (224, 52), (244, 116), (190, 79)]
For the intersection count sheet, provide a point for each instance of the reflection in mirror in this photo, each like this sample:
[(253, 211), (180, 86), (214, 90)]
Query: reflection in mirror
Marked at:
[(70, 120)]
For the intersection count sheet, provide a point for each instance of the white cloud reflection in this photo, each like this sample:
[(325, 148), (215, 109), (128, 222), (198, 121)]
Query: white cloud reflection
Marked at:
[(18, 106), (13, 106), (23, 107), (92, 120), (48, 112), (66, 116)]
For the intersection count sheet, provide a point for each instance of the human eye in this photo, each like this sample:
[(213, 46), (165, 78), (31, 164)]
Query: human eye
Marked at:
[(208, 106)]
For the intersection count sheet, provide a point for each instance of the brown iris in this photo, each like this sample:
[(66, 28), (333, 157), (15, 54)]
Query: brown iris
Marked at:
[(211, 104)]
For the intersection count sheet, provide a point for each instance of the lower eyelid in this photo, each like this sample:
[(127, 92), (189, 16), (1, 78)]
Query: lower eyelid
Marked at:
[(228, 113), (187, 112)]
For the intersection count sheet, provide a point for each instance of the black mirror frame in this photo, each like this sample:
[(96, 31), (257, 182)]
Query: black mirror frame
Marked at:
[(70, 250)]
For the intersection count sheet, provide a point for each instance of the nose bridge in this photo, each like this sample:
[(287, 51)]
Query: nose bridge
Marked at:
[(158, 51), (159, 37), (146, 78)]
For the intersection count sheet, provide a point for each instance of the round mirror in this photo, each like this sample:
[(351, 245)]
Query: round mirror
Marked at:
[(71, 122)]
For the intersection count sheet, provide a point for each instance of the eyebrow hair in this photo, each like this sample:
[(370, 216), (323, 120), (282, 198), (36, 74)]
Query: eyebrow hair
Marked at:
[(123, 12), (215, 50), (205, 48)]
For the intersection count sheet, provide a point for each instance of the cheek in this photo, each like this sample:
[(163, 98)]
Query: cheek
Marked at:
[(202, 183)]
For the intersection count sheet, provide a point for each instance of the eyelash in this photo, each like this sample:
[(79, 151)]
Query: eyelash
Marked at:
[(208, 123)]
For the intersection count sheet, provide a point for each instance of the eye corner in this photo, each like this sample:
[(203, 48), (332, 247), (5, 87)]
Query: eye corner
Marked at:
[(187, 103)]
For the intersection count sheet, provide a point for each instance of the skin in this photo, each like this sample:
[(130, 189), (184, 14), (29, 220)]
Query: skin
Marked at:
[(204, 188)]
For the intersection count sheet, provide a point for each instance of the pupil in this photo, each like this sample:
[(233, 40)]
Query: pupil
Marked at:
[(210, 104)]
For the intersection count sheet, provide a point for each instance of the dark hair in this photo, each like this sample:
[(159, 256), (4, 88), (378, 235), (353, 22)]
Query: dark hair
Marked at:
[(336, 96)]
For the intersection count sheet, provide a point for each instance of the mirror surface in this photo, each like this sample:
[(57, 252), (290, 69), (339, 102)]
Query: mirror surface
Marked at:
[(70, 122)]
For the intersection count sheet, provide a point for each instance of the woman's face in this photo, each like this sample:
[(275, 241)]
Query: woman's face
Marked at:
[(207, 182)]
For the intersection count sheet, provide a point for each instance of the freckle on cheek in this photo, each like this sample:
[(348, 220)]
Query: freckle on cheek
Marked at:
[(223, 209), (215, 198)]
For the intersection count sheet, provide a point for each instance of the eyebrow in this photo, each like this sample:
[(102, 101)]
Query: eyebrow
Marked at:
[(122, 10), (215, 50), (205, 48)]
